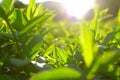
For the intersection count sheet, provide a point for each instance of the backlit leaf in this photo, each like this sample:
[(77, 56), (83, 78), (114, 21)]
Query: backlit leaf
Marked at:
[(31, 9), (86, 40), (33, 22), (39, 10), (19, 19), (62, 54), (58, 74)]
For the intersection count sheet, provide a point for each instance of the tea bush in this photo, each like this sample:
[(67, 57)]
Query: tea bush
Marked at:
[(33, 46)]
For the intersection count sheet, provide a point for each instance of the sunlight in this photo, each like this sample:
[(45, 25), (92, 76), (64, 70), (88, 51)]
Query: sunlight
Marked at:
[(78, 8)]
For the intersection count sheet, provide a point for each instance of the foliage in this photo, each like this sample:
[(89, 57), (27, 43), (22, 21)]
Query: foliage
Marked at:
[(113, 6), (34, 47)]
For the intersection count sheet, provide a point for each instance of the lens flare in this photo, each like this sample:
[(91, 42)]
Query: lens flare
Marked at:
[(78, 8)]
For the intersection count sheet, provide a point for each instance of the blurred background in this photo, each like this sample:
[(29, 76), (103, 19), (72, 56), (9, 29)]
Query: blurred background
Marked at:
[(75, 10)]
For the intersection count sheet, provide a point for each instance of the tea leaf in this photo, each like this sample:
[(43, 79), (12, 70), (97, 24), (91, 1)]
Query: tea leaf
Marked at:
[(19, 19), (6, 77), (58, 74), (19, 62), (31, 9), (39, 10), (109, 37), (2, 13), (86, 40), (118, 16), (33, 22), (101, 62), (7, 5), (62, 54), (32, 45), (94, 23)]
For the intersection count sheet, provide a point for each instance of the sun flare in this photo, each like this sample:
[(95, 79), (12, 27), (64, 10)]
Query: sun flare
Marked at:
[(78, 8)]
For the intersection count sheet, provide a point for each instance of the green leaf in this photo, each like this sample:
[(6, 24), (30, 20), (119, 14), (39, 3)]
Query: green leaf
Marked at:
[(86, 40), (7, 5), (6, 77), (3, 58), (101, 62), (45, 32), (5, 36), (58, 74), (49, 50), (2, 13), (36, 49), (19, 19), (94, 23), (19, 62), (33, 22), (109, 37), (31, 9), (31, 45), (118, 16), (62, 54), (39, 10), (103, 12)]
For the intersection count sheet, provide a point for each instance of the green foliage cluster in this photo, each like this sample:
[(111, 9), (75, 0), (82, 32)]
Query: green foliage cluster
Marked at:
[(33, 47), (113, 6)]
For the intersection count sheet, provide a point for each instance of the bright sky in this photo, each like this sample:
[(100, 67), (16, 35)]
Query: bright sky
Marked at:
[(76, 8)]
